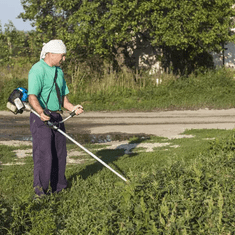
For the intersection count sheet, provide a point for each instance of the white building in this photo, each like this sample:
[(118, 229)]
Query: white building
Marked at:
[(227, 58)]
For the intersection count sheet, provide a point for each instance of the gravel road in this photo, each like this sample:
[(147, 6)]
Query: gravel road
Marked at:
[(166, 124)]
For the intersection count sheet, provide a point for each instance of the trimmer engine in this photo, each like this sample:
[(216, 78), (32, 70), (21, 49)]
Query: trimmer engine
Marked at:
[(17, 100)]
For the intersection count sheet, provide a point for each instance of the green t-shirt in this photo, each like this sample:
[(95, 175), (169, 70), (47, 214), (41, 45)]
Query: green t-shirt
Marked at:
[(41, 81)]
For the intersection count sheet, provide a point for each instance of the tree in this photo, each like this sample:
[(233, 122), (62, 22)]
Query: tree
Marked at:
[(189, 30), (7, 40), (14, 43), (185, 30)]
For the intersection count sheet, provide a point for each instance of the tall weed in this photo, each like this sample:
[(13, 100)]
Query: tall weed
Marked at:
[(128, 90), (213, 89)]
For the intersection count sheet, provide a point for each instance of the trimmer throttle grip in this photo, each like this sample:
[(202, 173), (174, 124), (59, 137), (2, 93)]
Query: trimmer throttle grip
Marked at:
[(47, 112)]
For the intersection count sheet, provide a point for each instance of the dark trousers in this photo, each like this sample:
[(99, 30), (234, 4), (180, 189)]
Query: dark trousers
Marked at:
[(49, 155)]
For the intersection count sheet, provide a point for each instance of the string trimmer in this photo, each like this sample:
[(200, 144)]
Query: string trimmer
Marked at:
[(18, 102)]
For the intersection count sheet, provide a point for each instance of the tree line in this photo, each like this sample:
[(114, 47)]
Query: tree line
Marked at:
[(18, 46), (96, 31)]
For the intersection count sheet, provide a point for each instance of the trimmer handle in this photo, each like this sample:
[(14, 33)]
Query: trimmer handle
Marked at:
[(73, 113), (47, 112)]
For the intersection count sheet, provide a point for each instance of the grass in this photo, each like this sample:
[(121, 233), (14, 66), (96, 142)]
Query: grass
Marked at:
[(184, 190)]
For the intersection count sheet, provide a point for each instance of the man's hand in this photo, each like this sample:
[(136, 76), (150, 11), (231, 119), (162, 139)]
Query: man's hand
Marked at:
[(33, 100), (44, 117), (78, 109)]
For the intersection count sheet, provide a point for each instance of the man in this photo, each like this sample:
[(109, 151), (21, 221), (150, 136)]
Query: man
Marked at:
[(48, 91)]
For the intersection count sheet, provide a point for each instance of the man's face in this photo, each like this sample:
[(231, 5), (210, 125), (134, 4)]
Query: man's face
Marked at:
[(58, 59)]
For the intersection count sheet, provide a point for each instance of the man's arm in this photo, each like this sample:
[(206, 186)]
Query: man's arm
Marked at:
[(71, 107), (33, 100)]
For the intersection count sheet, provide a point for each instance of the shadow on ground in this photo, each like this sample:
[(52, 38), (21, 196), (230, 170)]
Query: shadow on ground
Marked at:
[(108, 156)]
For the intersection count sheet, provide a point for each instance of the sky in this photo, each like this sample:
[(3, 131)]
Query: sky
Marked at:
[(9, 10)]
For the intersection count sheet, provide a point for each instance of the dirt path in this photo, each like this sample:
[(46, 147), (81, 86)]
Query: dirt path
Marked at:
[(166, 124), (15, 129)]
